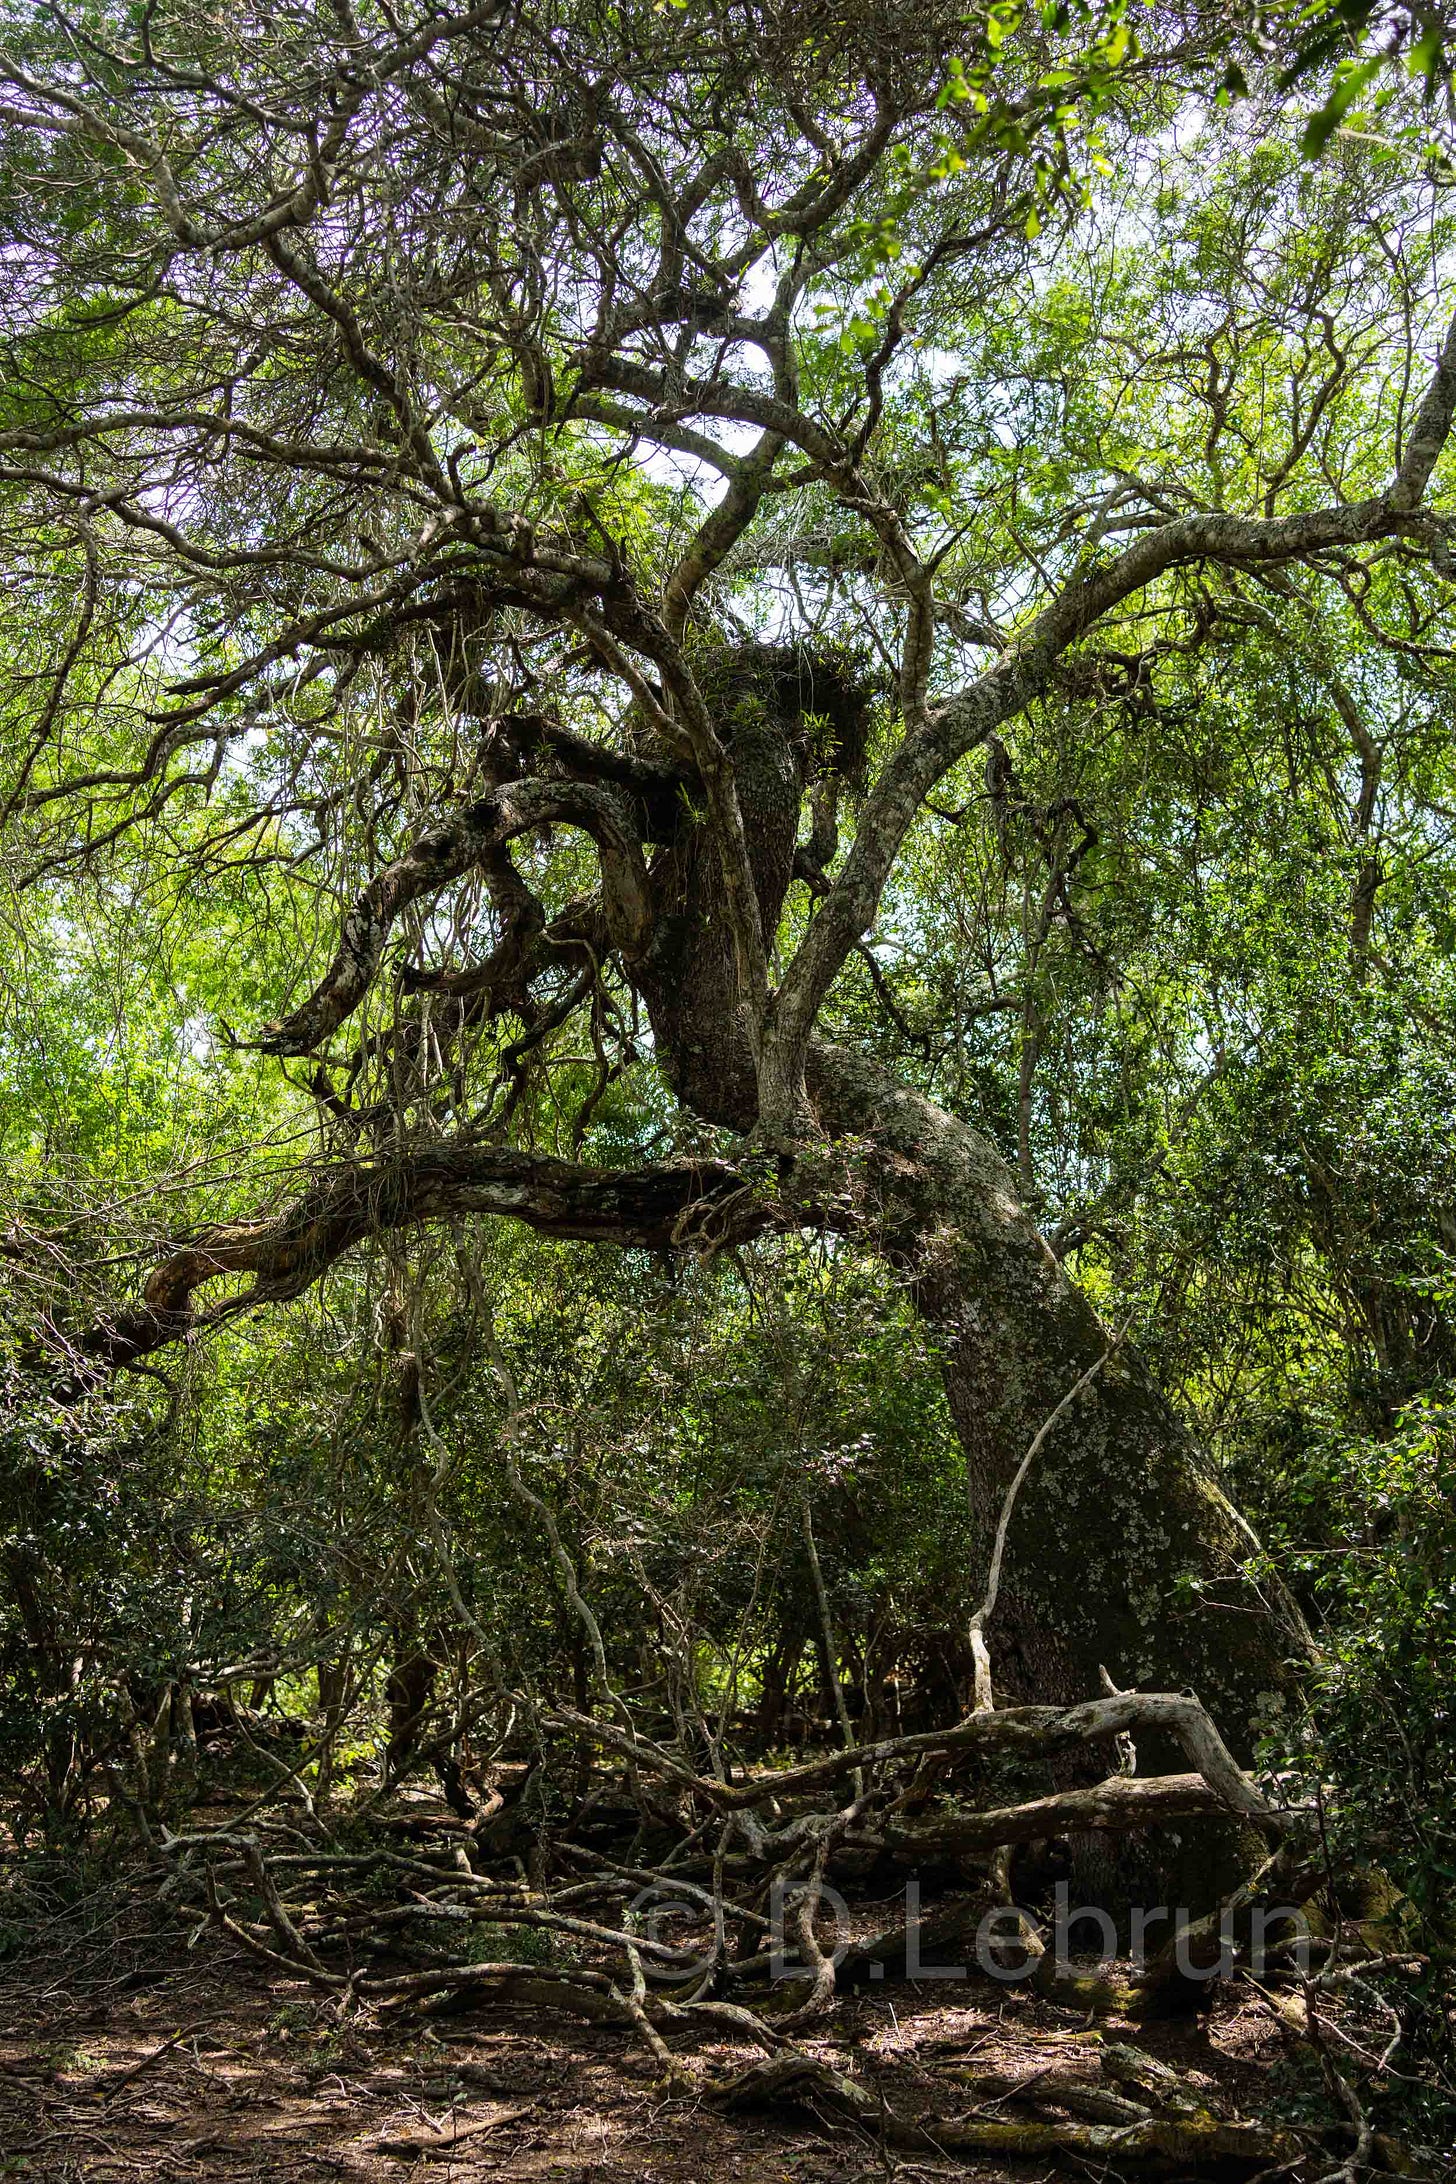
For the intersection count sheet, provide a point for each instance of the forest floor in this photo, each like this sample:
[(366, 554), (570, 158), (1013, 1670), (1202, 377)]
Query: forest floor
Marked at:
[(123, 2054)]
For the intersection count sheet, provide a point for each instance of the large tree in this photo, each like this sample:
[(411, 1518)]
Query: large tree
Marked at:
[(556, 498)]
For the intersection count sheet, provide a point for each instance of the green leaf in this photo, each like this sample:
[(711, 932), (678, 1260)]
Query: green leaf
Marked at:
[(1321, 126), (1426, 59)]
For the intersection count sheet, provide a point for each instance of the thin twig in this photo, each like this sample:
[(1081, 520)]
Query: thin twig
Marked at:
[(983, 1698)]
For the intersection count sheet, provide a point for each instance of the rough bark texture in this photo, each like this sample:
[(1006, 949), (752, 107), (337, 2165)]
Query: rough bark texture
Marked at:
[(688, 976), (1123, 1552), (694, 1203)]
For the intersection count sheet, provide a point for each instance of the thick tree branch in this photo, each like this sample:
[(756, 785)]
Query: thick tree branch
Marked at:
[(1430, 432), (694, 1204), (1024, 672), (465, 840)]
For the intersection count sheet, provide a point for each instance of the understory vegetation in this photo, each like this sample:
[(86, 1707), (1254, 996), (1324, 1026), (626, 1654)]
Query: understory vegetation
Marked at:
[(728, 1024)]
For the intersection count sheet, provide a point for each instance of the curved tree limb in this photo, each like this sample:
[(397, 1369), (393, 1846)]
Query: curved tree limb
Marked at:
[(464, 840), (708, 1203)]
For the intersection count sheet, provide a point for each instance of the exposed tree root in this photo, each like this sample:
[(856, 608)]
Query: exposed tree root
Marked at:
[(1120, 2106), (1194, 2137), (722, 1931)]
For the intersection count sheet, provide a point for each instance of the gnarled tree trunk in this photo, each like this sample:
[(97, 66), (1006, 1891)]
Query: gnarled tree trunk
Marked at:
[(1124, 1553)]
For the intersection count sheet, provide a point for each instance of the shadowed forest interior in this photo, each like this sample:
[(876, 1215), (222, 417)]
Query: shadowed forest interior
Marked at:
[(727, 1068)]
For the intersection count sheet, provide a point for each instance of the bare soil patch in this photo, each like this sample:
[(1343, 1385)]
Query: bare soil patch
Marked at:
[(123, 2053)]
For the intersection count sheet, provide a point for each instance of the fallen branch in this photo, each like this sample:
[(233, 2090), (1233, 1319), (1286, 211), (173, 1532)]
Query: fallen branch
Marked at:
[(1121, 1802), (1192, 2139), (128, 2077), (442, 2145), (1015, 1729)]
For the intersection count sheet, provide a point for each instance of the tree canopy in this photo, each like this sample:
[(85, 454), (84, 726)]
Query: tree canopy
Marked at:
[(725, 760)]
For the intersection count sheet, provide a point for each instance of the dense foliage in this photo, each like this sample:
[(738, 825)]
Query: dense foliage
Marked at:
[(1173, 931)]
